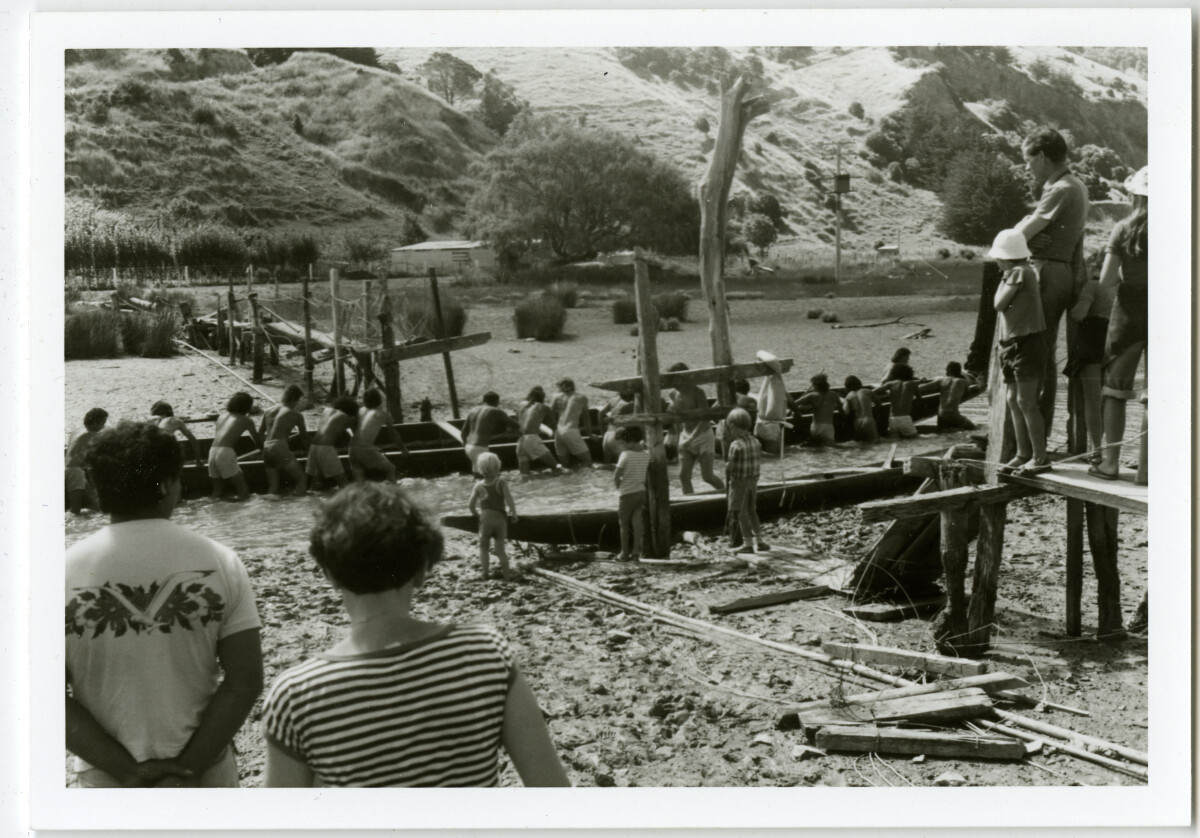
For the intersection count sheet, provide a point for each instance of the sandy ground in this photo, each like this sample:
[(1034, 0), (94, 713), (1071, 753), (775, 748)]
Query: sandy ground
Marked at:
[(661, 708)]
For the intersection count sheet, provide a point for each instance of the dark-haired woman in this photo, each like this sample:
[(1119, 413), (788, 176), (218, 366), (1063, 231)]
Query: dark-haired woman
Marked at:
[(1126, 267), (162, 634), (399, 701)]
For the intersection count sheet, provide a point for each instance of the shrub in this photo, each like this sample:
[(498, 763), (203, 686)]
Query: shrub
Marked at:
[(158, 333), (1039, 69), (673, 325), (967, 254), (566, 292), (624, 310), (204, 116), (943, 253), (97, 112), (130, 93), (94, 333), (829, 295), (671, 304), (856, 110), (983, 194), (416, 316), (541, 316), (701, 124), (814, 313), (830, 317)]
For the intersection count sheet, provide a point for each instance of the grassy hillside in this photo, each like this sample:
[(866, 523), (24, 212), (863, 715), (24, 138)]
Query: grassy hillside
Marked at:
[(315, 143)]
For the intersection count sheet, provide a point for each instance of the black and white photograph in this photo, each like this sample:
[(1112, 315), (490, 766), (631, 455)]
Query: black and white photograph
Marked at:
[(633, 400)]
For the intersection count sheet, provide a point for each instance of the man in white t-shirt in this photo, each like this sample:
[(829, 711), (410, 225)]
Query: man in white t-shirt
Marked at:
[(162, 633)]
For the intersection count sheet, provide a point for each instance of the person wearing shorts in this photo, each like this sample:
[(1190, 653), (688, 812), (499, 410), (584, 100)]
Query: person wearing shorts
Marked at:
[(573, 421), (530, 418), (902, 390), (697, 442), (79, 487), (629, 478), (366, 460), (336, 420), (222, 459), (951, 389), (860, 407), (276, 428), (485, 422), (822, 403)]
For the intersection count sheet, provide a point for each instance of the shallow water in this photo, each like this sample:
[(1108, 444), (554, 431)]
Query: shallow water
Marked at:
[(268, 522)]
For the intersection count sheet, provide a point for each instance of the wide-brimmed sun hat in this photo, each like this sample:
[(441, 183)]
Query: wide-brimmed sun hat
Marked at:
[(1138, 183), (1010, 245)]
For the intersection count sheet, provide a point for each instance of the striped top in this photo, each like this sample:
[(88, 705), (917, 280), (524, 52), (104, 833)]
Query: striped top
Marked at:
[(427, 714), (633, 465)]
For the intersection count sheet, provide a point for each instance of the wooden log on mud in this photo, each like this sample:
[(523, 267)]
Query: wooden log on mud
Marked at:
[(925, 661), (879, 740), (891, 612), (779, 598), (936, 707), (993, 683)]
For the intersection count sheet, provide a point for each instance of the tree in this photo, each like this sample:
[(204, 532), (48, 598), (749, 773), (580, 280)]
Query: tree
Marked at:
[(265, 57), (984, 194), (759, 231), (498, 104), (856, 110), (768, 205), (449, 76), (580, 191)]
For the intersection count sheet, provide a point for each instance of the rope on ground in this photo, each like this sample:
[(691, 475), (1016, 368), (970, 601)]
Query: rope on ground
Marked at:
[(187, 345)]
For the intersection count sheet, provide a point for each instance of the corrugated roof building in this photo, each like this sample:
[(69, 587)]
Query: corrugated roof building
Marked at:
[(448, 257)]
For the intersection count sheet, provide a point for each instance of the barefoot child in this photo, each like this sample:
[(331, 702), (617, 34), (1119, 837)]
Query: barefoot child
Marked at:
[(742, 466), (951, 389), (823, 403), (399, 701), (276, 429), (488, 501), (860, 407), (222, 460), (902, 390), (630, 482), (79, 485), (1023, 357)]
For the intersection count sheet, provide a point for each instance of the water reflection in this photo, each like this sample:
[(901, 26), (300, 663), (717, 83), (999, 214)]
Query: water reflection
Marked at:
[(266, 521)]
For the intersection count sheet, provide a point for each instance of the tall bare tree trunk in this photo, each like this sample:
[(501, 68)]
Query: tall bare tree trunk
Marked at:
[(736, 113)]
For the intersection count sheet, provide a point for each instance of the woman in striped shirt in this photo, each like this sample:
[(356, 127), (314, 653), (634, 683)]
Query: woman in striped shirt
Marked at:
[(399, 701)]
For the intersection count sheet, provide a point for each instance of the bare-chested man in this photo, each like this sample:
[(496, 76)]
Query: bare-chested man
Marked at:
[(951, 389), (823, 403), (79, 486), (530, 448), (484, 422), (860, 407), (165, 418), (573, 422), (276, 429), (696, 438), (621, 404), (323, 462), (222, 460), (902, 391), (365, 457)]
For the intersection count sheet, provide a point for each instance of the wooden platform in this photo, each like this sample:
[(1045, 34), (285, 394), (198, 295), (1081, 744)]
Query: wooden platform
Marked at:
[(1072, 480)]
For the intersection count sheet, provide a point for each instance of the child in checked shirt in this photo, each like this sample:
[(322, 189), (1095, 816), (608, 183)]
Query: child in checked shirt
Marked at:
[(743, 459)]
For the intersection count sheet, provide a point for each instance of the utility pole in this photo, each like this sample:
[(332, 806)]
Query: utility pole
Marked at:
[(841, 184)]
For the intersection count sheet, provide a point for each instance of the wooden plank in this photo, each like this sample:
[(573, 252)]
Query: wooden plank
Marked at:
[(1074, 571), (990, 682), (927, 661), (887, 612), (954, 551), (989, 549), (877, 740), (701, 375), (1072, 480), (450, 429), (940, 706), (656, 539), (716, 412), (778, 598), (930, 503), (431, 347)]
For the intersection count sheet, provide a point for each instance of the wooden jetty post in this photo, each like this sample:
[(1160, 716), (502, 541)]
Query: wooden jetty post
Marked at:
[(391, 369), (440, 334), (220, 325), (658, 495), (339, 372), (233, 315), (259, 337), (736, 114), (366, 304), (308, 358)]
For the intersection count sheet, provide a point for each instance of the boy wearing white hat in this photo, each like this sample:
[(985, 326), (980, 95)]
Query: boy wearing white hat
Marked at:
[(1023, 354)]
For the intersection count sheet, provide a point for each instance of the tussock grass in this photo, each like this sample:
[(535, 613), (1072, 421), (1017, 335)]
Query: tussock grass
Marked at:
[(567, 292), (541, 316), (672, 304), (416, 318), (624, 311), (93, 333)]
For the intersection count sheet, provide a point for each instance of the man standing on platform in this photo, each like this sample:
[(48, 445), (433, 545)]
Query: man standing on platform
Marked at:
[(1054, 231)]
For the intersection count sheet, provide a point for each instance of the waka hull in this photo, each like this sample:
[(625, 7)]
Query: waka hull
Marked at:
[(599, 526)]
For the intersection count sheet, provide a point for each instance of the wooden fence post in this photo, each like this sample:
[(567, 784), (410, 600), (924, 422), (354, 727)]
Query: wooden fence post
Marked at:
[(1076, 443), (308, 358), (440, 326), (339, 374), (391, 369), (233, 335), (366, 304), (257, 375), (220, 326), (658, 500)]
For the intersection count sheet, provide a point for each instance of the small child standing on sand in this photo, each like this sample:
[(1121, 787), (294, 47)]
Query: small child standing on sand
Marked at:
[(488, 501), (743, 463), (1023, 354), (629, 478)]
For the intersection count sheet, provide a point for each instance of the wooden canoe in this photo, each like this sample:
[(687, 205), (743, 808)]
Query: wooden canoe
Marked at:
[(705, 512)]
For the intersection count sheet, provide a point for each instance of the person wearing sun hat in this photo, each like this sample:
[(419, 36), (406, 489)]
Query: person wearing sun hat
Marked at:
[(1125, 268), (1023, 347)]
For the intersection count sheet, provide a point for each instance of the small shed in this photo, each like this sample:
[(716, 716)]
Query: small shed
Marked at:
[(448, 257)]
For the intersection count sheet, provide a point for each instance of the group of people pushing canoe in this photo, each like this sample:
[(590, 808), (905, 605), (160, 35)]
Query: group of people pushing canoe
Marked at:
[(567, 414)]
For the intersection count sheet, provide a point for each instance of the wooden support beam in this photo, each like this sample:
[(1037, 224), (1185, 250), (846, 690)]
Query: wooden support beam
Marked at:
[(990, 682), (881, 740), (701, 375), (335, 305), (940, 706), (1074, 574), (657, 515), (308, 357), (749, 603), (954, 544), (981, 612), (716, 412), (391, 369), (257, 374), (1102, 524), (449, 429), (890, 612), (1071, 480), (926, 661), (934, 502), (440, 346), (440, 332), (233, 316)]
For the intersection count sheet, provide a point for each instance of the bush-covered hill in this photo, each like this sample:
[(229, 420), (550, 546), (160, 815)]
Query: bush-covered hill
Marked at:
[(316, 142)]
